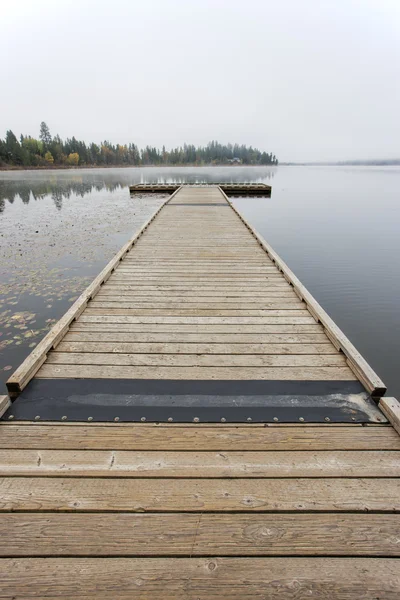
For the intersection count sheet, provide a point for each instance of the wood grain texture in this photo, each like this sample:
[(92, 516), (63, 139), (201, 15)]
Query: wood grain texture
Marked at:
[(136, 295), (223, 464), (192, 348), (77, 335), (54, 371), (263, 286), (210, 320), (4, 404), (199, 495), (64, 436), (196, 360), (199, 329), (184, 312), (391, 409), (201, 578), (214, 304), (130, 534)]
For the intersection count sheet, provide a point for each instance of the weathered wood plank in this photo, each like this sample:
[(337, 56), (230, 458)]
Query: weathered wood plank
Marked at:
[(209, 282), (196, 270), (261, 285), (198, 253), (57, 534), (181, 260), (187, 348), (267, 265), (134, 293), (117, 298), (218, 320), (299, 312), (4, 404), (222, 240), (196, 328), (197, 360), (277, 285), (194, 495), (302, 341), (195, 437), (201, 578), (227, 464), (54, 371), (196, 280), (391, 409), (121, 302), (230, 237), (265, 283)]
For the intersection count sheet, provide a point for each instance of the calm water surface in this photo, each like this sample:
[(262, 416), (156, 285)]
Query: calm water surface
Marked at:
[(338, 228)]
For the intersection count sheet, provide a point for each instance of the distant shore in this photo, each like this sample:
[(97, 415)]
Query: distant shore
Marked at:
[(393, 163), (348, 163), (70, 167)]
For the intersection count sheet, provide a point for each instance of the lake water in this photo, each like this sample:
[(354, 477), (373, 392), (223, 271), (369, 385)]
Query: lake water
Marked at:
[(338, 228)]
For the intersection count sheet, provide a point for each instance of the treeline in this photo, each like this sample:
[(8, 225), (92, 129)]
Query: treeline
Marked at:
[(48, 150)]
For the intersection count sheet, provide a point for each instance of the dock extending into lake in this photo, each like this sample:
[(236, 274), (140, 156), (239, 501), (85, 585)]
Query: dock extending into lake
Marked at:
[(197, 427), (233, 189)]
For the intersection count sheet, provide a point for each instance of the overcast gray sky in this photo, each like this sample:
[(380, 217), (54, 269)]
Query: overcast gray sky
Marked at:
[(306, 79)]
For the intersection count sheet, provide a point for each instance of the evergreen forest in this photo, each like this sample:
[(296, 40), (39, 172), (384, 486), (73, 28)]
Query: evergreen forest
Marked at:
[(47, 150)]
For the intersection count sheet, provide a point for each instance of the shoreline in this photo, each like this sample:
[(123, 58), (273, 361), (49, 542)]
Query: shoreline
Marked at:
[(88, 167)]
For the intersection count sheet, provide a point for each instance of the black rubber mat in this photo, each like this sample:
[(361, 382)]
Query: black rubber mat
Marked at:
[(104, 400)]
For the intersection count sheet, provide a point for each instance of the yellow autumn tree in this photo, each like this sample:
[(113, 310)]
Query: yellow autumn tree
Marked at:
[(73, 159), (48, 157)]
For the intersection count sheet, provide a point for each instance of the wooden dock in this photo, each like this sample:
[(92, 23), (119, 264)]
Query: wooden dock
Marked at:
[(233, 189), (197, 427)]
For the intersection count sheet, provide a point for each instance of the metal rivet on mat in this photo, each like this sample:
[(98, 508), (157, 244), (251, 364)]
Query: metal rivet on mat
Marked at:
[(249, 419), (11, 417), (275, 419), (327, 419), (196, 419), (90, 418), (301, 419), (116, 418), (223, 420), (143, 418), (37, 418), (170, 419), (64, 418)]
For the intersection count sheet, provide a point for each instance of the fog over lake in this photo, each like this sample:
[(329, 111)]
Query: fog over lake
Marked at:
[(336, 227), (309, 81)]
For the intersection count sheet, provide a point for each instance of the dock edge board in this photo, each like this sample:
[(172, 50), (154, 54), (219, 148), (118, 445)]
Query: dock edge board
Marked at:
[(391, 409)]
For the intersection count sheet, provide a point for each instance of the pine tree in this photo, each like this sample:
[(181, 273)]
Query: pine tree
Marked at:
[(45, 134)]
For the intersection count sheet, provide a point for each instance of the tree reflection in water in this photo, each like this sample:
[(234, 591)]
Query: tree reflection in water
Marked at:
[(61, 184)]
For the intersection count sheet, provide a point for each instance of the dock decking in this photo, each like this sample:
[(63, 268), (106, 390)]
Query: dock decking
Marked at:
[(257, 465), (233, 189)]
